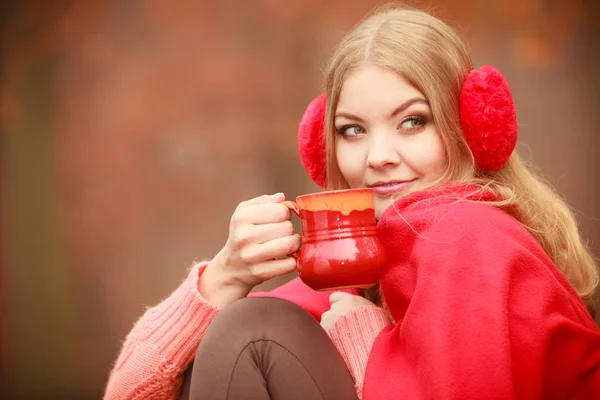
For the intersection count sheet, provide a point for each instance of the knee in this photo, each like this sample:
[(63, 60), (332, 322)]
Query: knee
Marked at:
[(258, 318), (253, 312)]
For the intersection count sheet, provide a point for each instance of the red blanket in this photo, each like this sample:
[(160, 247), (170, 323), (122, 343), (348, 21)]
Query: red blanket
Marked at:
[(481, 310)]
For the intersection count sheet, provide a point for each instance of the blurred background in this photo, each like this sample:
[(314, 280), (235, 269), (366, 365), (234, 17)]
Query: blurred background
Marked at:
[(131, 130)]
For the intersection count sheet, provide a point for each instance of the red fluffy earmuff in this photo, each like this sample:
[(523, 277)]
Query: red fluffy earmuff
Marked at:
[(487, 117), (311, 141)]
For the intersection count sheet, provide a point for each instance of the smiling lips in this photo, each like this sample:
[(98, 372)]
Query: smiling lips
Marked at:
[(390, 187)]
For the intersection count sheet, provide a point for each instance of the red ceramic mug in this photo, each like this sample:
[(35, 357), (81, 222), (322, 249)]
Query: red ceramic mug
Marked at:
[(340, 246)]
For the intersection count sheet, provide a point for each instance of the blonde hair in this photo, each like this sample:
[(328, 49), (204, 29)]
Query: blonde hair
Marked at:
[(431, 55)]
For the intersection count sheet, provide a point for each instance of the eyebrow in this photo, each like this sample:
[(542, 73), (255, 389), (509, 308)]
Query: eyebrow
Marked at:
[(396, 111)]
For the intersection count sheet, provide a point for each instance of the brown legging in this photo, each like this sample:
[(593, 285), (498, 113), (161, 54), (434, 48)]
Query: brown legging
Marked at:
[(266, 348)]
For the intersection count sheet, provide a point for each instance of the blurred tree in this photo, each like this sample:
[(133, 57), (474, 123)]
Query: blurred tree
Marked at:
[(40, 325)]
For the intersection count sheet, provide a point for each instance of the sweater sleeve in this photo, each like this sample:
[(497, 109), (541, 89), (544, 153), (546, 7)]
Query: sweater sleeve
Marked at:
[(161, 345), (353, 335), (482, 313)]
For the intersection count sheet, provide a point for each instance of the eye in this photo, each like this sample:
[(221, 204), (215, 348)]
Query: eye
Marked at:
[(350, 130), (412, 123)]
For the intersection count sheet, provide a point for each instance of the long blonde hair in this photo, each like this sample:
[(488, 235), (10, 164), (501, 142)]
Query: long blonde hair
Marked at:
[(431, 55)]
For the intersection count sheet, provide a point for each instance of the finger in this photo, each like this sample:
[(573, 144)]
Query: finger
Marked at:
[(258, 214), (339, 296), (266, 232), (265, 198), (275, 248), (272, 268), (250, 235)]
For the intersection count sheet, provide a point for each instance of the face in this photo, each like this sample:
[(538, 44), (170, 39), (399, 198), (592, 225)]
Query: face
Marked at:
[(385, 136)]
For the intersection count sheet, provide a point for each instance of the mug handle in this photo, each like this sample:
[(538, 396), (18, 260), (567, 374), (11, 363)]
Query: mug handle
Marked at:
[(292, 206)]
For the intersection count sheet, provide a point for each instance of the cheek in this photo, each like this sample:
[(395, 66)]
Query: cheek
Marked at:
[(435, 162), (349, 163), (431, 157), (438, 161)]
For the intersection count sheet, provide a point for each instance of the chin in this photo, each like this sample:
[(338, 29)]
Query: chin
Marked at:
[(382, 203), (381, 206)]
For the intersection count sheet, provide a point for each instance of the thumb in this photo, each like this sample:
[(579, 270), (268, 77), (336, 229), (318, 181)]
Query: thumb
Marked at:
[(338, 296)]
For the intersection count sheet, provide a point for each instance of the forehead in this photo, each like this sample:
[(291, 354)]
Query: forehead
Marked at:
[(374, 87)]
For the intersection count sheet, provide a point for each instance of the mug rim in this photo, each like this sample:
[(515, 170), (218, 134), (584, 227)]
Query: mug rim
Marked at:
[(334, 192)]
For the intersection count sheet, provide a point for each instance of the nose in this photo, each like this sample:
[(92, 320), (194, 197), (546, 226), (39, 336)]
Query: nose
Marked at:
[(382, 152)]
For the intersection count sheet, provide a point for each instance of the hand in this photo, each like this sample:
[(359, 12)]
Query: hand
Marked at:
[(341, 303), (261, 238)]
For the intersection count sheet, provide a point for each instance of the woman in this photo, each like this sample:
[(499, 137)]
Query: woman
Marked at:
[(484, 294)]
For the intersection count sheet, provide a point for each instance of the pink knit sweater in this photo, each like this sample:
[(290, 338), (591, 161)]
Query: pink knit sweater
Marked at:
[(164, 340)]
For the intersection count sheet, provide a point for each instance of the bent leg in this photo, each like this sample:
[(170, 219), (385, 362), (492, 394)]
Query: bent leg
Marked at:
[(267, 348)]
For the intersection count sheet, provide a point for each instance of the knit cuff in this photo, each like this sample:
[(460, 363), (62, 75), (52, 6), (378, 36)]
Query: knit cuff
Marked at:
[(354, 334), (177, 325)]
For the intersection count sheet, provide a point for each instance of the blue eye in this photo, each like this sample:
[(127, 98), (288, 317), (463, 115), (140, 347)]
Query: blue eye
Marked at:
[(350, 130)]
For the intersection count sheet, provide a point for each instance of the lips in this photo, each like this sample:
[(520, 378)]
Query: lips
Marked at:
[(390, 187)]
